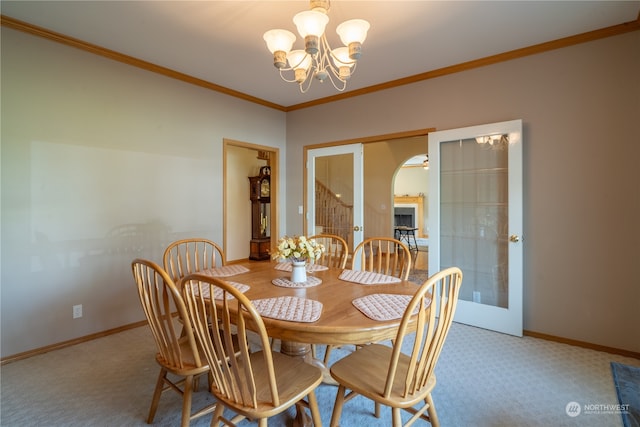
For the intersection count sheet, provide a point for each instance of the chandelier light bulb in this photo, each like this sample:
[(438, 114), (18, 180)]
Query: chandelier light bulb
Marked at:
[(311, 26), (300, 61), (341, 58), (342, 61), (353, 33), (279, 42), (310, 23), (354, 30)]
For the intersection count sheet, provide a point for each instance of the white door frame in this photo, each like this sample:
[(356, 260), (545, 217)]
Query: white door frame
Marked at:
[(358, 186), (507, 320)]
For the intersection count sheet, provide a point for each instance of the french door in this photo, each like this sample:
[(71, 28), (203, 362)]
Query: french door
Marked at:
[(335, 192), (475, 220)]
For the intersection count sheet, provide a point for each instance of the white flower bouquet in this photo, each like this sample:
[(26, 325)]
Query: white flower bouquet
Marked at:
[(298, 248)]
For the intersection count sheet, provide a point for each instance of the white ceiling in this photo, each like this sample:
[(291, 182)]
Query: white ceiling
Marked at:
[(221, 41)]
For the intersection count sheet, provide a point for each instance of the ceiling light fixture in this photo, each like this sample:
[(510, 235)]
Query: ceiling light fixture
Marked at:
[(493, 139), (317, 59)]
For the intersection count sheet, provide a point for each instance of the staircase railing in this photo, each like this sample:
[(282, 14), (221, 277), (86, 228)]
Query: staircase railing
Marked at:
[(333, 214)]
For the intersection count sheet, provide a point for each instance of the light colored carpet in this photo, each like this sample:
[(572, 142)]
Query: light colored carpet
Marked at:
[(484, 379)]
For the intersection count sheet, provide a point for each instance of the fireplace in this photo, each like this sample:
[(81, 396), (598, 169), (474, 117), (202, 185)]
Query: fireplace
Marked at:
[(404, 216), (408, 211)]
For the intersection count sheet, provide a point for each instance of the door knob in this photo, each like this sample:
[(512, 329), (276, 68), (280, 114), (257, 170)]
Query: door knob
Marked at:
[(356, 228), (513, 238)]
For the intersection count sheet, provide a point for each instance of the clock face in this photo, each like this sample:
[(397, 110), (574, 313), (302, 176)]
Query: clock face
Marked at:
[(264, 188)]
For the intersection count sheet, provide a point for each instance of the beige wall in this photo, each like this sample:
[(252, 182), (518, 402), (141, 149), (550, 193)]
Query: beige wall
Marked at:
[(91, 147), (102, 163), (580, 108)]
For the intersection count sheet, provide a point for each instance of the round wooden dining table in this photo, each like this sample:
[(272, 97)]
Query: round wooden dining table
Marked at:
[(340, 322)]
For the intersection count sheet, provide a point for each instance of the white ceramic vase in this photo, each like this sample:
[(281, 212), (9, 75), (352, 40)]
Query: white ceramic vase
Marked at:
[(299, 271)]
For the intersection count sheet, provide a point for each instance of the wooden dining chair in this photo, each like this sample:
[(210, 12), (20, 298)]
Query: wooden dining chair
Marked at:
[(178, 351), (192, 255), (336, 250), (256, 384), (383, 255), (390, 377)]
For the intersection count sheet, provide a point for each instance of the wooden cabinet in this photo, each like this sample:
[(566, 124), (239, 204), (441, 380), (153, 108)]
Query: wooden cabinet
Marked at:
[(260, 249)]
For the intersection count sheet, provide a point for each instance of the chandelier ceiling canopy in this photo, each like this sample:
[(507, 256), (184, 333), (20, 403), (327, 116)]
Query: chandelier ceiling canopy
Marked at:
[(317, 60)]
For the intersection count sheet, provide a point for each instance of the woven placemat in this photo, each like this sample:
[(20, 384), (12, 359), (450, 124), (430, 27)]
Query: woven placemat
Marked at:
[(293, 309), (382, 307), (225, 271), (218, 292), (367, 277), (286, 283), (286, 266)]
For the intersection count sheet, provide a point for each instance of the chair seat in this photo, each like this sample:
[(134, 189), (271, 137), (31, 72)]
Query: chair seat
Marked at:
[(189, 365), (365, 372), (294, 378)]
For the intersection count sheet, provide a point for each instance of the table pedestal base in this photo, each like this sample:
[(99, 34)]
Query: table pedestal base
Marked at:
[(296, 349)]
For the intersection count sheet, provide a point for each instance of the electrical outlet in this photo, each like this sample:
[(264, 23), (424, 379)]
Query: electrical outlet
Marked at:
[(476, 297), (77, 311)]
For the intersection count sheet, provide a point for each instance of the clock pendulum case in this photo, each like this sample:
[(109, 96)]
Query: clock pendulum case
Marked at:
[(260, 195)]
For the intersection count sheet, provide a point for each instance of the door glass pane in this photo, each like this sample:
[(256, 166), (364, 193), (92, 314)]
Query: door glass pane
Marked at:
[(474, 217), (334, 196)]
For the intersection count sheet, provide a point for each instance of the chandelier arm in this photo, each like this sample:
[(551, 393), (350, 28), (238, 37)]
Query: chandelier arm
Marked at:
[(344, 82), (283, 77), (293, 67), (325, 64), (308, 80), (327, 55), (336, 73), (353, 62), (333, 70), (317, 60)]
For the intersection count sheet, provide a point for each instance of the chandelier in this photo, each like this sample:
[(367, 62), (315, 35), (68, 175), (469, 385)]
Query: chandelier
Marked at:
[(317, 60), (425, 163), (495, 142)]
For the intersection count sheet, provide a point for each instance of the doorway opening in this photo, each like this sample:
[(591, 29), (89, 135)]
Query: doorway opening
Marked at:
[(242, 160), (410, 197), (383, 158)]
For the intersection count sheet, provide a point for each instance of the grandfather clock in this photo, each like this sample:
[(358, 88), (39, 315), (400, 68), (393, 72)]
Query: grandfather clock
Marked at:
[(260, 195)]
